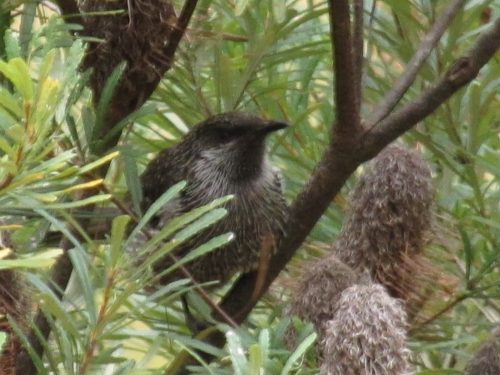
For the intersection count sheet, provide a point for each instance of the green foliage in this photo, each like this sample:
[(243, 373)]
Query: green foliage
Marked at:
[(256, 56)]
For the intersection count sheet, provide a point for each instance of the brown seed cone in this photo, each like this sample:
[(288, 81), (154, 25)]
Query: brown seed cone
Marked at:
[(320, 288), (317, 293), (137, 36), (367, 335), (486, 361), (389, 221)]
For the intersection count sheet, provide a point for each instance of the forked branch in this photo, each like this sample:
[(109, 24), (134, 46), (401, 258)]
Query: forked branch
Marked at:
[(431, 39), (341, 160)]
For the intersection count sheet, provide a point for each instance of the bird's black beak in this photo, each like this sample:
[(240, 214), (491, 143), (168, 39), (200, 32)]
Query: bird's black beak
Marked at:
[(273, 126)]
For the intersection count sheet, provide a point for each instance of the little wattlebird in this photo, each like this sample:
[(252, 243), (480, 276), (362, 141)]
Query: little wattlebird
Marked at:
[(225, 154)]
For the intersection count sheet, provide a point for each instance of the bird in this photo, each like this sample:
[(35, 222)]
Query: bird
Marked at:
[(223, 155)]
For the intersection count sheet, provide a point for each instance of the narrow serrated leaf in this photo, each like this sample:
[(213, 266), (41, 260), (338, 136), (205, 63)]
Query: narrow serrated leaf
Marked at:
[(43, 259), (80, 266), (237, 353), (118, 231), (203, 222), (80, 203), (299, 352), (17, 71), (132, 177), (104, 101), (166, 197), (97, 163)]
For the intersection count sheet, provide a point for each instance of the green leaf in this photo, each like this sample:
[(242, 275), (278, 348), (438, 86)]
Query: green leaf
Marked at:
[(118, 231), (203, 222), (207, 247), (3, 340), (132, 177), (237, 353), (42, 259), (61, 226), (241, 5), (264, 343), (12, 48), (95, 164), (256, 359), (10, 103), (53, 305), (7, 148), (468, 252), (166, 197), (17, 72), (105, 100), (143, 111), (279, 11), (27, 19), (35, 358), (79, 203), (80, 266), (299, 352)]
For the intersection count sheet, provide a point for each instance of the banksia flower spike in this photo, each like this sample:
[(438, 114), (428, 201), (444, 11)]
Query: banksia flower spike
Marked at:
[(389, 221), (319, 289), (137, 36), (367, 335)]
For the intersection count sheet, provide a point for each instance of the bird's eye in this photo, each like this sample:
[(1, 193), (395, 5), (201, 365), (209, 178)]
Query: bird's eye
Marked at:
[(225, 135)]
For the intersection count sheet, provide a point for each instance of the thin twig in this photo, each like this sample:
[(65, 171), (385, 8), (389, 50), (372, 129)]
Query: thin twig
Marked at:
[(441, 312), (392, 98), (216, 35)]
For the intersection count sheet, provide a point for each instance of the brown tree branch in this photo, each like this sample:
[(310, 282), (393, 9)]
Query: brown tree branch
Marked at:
[(346, 98), (358, 48), (340, 160), (431, 39), (128, 98), (179, 30)]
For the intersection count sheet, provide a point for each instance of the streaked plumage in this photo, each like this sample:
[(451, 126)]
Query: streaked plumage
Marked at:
[(223, 155)]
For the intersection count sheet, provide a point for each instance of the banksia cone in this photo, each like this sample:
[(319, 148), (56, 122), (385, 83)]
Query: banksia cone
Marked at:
[(367, 335), (319, 289), (486, 361), (137, 35), (389, 220)]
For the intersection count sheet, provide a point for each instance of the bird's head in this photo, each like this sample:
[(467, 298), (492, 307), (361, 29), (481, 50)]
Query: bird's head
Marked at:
[(233, 143)]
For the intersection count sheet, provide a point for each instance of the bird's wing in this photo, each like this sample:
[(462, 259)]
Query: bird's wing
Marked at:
[(161, 173)]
